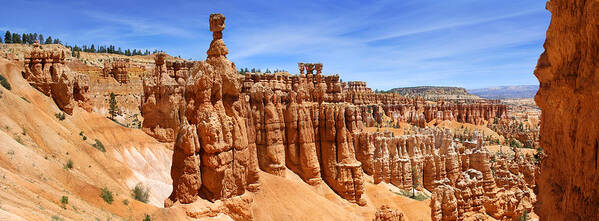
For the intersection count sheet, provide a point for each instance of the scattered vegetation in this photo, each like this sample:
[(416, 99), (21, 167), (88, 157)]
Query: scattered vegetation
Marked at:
[(60, 116), (418, 196), (126, 201), (56, 218), (82, 135), (98, 145), (69, 164), (5, 83), (64, 201), (254, 70), (140, 193), (19, 140), (515, 143), (135, 123), (107, 195), (147, 218)]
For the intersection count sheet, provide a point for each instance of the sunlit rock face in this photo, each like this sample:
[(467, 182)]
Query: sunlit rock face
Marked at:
[(569, 86), (46, 71), (225, 127), (211, 155)]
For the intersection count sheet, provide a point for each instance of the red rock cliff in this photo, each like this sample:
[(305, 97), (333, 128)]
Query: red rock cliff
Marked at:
[(568, 97)]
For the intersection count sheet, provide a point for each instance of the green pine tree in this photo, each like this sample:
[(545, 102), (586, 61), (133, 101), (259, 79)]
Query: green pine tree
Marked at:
[(415, 178), (7, 37), (48, 40), (16, 38), (113, 106)]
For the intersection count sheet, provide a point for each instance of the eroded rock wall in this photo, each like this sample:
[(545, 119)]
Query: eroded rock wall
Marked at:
[(225, 127), (46, 71), (569, 86)]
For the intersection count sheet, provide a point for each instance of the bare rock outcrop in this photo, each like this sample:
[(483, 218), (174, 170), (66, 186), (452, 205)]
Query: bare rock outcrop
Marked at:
[(46, 71), (386, 213), (569, 83), (162, 98), (117, 69)]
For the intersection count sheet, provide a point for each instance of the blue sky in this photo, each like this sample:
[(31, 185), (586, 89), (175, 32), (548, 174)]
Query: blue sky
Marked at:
[(467, 43)]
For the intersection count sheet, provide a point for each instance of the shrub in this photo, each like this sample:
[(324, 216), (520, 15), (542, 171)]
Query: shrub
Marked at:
[(60, 116), (64, 201), (107, 195), (69, 164), (98, 145), (140, 193), (147, 218), (126, 201), (82, 135), (4, 83), (19, 140)]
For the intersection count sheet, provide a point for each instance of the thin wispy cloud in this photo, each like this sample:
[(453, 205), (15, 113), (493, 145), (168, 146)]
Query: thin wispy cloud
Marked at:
[(140, 26)]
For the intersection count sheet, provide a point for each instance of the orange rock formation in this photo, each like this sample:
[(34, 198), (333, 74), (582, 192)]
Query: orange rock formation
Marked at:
[(46, 71), (117, 69), (569, 83)]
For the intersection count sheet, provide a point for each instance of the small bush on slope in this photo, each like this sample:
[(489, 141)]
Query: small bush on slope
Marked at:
[(69, 164), (98, 145), (5, 83), (107, 195), (140, 193)]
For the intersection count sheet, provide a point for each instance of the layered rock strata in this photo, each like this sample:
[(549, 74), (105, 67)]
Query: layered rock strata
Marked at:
[(46, 71), (118, 70)]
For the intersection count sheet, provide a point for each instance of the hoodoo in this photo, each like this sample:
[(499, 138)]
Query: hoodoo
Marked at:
[(226, 127)]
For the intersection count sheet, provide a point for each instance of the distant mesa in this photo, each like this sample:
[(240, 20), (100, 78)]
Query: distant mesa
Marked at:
[(506, 92), (435, 93)]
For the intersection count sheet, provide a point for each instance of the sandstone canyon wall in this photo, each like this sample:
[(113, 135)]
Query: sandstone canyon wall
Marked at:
[(568, 98)]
